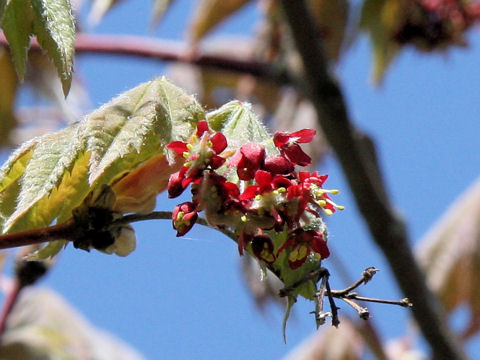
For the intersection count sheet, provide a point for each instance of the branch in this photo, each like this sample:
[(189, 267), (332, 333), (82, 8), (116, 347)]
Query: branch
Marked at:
[(169, 51), (357, 158), (71, 230)]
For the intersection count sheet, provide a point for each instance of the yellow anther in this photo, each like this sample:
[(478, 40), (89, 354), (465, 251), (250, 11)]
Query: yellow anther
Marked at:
[(190, 147), (334, 191), (339, 207), (302, 251), (321, 203), (194, 138), (188, 164), (328, 211), (185, 154), (275, 192), (258, 197), (244, 218), (281, 190), (209, 143), (180, 215)]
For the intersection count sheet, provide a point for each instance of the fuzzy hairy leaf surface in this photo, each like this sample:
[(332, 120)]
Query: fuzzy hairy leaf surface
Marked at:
[(55, 29), (239, 124), (210, 13), (52, 22), (17, 26), (450, 255), (122, 144)]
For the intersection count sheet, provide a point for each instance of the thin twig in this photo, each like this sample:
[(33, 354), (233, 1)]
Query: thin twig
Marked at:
[(363, 312), (320, 315), (367, 275), (363, 174), (403, 302), (333, 306), (169, 51)]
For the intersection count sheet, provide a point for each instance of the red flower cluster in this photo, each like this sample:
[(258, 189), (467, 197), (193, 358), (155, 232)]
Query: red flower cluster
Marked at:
[(270, 194), (436, 24)]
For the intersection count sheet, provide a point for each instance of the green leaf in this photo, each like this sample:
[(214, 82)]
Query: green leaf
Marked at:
[(17, 27), (121, 144), (381, 18), (209, 14), (136, 126), (239, 124), (55, 29), (52, 157), (15, 165)]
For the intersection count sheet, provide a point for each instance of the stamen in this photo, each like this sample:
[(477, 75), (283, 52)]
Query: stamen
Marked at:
[(190, 147), (258, 197), (328, 211), (244, 218)]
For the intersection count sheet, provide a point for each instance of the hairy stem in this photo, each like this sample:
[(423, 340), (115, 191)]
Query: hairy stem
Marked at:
[(362, 171)]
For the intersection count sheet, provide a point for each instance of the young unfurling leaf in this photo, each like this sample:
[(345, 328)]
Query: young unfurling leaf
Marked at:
[(122, 144)]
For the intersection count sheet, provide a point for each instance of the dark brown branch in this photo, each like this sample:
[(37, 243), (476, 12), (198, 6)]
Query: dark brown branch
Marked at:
[(65, 231), (169, 51), (367, 275), (362, 172), (70, 230)]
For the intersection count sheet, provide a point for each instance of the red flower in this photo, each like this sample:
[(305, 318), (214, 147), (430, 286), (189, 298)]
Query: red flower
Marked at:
[(262, 247), (248, 160), (287, 143), (278, 164), (184, 217), (301, 243), (201, 153)]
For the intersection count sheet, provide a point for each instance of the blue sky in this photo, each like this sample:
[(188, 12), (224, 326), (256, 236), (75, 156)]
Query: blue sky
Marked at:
[(184, 297)]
